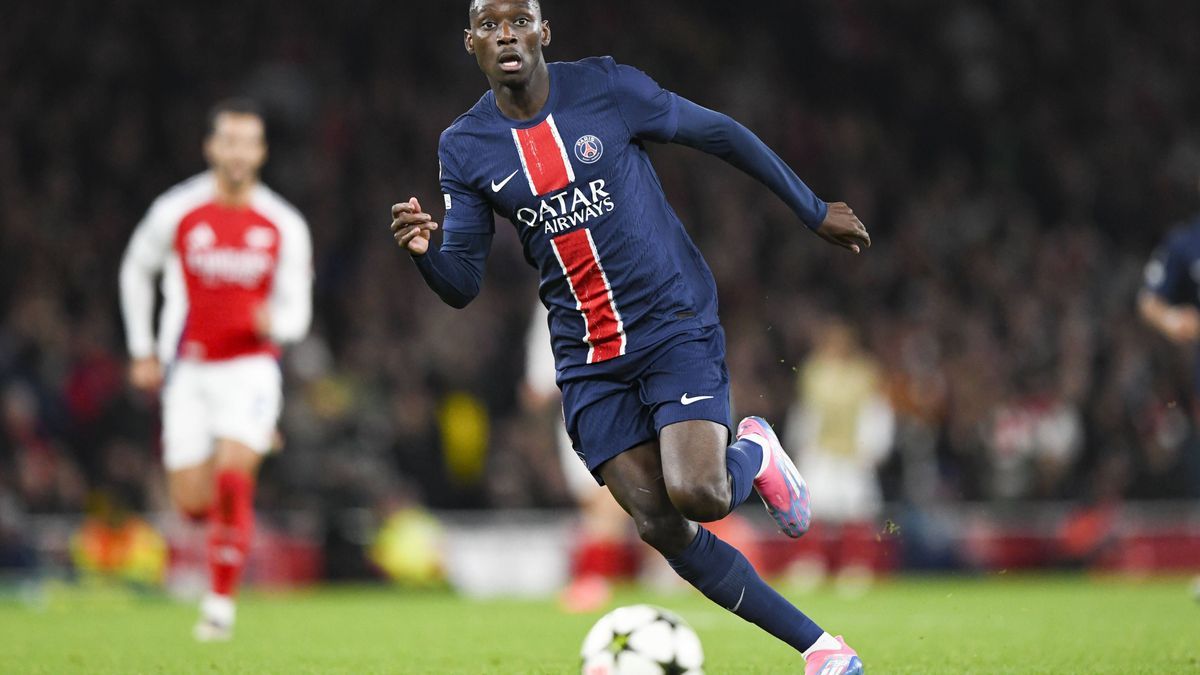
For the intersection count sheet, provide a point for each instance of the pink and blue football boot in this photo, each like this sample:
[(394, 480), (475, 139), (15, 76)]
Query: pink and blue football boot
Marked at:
[(779, 484), (842, 661)]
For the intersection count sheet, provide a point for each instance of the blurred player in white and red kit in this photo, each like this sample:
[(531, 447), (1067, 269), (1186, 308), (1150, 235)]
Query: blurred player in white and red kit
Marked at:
[(236, 266)]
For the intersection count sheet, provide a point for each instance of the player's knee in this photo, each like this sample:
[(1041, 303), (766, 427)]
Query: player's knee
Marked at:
[(667, 533), (700, 502), (193, 499), (193, 507)]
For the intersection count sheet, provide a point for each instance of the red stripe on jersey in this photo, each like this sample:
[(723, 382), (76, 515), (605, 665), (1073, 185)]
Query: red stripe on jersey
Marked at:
[(580, 262), (544, 157)]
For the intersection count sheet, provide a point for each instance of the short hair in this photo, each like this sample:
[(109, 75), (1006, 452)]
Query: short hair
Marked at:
[(471, 8), (239, 105)]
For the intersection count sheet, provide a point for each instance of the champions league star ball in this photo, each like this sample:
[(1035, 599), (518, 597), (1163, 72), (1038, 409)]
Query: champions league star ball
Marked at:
[(642, 640)]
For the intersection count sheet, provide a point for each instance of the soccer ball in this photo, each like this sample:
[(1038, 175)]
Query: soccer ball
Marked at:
[(642, 640)]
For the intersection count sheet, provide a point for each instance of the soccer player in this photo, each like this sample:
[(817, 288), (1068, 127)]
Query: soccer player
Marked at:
[(558, 149), (1170, 300), (236, 266), (842, 425)]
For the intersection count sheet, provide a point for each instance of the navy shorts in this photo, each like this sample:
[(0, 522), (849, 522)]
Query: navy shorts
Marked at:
[(612, 406)]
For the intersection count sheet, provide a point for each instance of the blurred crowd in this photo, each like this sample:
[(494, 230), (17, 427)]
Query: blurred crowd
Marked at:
[(1016, 163)]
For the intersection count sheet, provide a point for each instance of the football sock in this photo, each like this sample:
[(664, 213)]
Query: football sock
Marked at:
[(743, 460), (826, 641), (231, 525), (724, 576)]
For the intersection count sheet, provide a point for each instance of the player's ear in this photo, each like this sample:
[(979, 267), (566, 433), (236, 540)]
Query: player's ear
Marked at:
[(545, 33), (468, 43)]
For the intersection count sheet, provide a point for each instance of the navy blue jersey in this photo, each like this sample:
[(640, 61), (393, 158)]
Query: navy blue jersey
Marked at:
[(1173, 273), (618, 271)]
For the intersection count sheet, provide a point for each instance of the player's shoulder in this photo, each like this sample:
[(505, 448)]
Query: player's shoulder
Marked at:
[(471, 122), (187, 194), (592, 65), (1184, 235), (277, 208)]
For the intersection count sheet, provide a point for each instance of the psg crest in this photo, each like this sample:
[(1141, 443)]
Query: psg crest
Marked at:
[(588, 149)]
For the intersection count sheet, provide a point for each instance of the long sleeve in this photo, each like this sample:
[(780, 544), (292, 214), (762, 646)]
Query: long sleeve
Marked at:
[(144, 258), (455, 271), (290, 303), (721, 136)]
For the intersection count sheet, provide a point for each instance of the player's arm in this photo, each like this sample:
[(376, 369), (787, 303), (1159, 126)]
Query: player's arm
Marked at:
[(1165, 276), (1179, 323), (656, 114), (722, 136), (288, 313), (454, 271), (144, 257), (1162, 302)]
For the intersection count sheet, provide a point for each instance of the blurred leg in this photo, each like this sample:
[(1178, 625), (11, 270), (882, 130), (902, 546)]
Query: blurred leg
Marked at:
[(231, 527), (192, 489), (232, 515)]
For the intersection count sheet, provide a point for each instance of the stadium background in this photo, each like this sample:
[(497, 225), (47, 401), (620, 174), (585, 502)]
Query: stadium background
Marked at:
[(1015, 162)]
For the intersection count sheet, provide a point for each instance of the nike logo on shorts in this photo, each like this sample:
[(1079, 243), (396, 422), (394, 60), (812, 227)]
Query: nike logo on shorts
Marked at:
[(496, 187), (686, 400)]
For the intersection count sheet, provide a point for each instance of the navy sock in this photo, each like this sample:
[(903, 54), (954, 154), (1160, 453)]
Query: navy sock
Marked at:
[(724, 575), (742, 461)]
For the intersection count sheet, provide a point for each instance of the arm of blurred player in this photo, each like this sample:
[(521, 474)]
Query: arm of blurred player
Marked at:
[(454, 271), (1178, 323), (144, 258), (288, 313), (1166, 282)]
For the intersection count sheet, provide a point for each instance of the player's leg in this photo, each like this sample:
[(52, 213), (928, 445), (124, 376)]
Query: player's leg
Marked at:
[(600, 553), (716, 569), (187, 442), (707, 477), (248, 397), (231, 530), (706, 480), (191, 489)]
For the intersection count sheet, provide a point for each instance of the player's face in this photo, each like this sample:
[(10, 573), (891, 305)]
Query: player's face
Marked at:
[(237, 147), (506, 37)]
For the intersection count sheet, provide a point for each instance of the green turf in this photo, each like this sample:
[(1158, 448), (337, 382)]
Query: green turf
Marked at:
[(986, 625)]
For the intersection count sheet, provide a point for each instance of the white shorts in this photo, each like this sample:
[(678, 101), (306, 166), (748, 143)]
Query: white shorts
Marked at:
[(239, 400)]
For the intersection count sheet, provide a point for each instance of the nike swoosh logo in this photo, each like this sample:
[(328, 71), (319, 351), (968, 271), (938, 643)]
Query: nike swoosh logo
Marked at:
[(496, 187), (688, 401), (740, 597)]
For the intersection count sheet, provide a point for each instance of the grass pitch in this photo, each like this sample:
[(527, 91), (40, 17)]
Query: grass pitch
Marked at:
[(992, 625)]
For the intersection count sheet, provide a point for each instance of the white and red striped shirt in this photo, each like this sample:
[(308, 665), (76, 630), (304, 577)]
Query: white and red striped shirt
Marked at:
[(219, 265)]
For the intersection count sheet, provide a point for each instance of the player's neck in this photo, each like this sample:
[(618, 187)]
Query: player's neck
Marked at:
[(234, 194), (525, 102)]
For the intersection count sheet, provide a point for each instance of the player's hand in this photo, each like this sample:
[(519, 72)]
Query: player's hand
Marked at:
[(262, 322), (842, 228), (1181, 325), (146, 374), (411, 226)]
